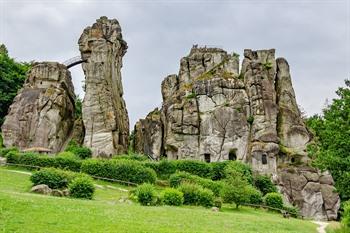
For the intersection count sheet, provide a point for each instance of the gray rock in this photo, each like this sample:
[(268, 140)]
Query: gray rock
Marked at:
[(42, 113), (42, 189), (65, 192), (215, 209), (2, 161), (57, 193), (104, 112)]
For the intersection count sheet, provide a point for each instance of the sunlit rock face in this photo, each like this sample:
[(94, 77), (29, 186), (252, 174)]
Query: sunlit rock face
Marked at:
[(212, 111), (42, 114), (104, 112)]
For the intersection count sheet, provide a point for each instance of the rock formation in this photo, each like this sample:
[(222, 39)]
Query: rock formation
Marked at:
[(213, 112), (104, 112), (42, 114)]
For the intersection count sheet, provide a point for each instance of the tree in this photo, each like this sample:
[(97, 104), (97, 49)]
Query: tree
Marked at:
[(331, 147), (12, 76)]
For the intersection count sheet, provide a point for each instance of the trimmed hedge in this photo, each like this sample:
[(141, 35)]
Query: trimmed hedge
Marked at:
[(195, 194), (33, 159), (172, 196), (194, 167), (81, 187), (124, 170), (5, 151), (274, 200), (164, 168), (131, 157), (54, 178), (176, 179), (146, 194)]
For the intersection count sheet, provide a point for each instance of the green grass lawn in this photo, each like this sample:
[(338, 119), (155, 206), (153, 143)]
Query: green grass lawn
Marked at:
[(21, 211)]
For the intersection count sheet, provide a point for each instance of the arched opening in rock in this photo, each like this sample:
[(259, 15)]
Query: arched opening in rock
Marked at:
[(207, 158), (264, 159), (232, 155), (292, 160)]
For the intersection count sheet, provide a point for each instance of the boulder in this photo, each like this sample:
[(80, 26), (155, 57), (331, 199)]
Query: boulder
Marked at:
[(57, 193), (42, 189), (2, 161), (104, 112), (42, 114)]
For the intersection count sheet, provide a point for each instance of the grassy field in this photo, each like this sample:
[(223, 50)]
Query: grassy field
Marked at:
[(21, 211)]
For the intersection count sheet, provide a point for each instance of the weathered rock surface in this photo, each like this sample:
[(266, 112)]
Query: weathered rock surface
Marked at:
[(42, 113), (213, 112), (303, 187), (42, 189), (104, 112)]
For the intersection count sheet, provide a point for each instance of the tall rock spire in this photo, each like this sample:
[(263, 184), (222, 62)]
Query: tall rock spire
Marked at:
[(104, 112)]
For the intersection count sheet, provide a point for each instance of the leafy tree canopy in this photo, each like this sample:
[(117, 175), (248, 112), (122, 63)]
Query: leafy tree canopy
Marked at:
[(331, 149), (12, 76)]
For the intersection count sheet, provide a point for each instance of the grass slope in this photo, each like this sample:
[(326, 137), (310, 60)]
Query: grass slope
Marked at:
[(21, 211)]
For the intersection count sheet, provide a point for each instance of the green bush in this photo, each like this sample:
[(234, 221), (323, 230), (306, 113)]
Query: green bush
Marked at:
[(5, 151), (195, 194), (54, 178), (264, 184), (131, 157), (346, 215), (146, 194), (124, 170), (194, 167), (274, 200), (255, 196), (67, 155), (172, 196), (80, 151), (237, 168), (81, 187), (33, 159), (218, 170), (292, 210), (218, 202), (164, 168), (176, 179)]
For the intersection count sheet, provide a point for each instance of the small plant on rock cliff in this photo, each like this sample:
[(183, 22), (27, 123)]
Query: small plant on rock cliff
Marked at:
[(191, 96), (146, 194), (82, 187), (267, 65), (172, 196), (250, 120)]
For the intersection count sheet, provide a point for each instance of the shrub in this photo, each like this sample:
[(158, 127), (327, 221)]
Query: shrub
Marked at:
[(81, 187), (194, 167), (292, 210), (5, 151), (67, 155), (236, 168), (124, 170), (218, 202), (80, 151), (165, 168), (54, 178), (195, 194), (274, 200), (176, 179), (264, 184), (255, 196), (33, 159), (131, 157), (346, 215), (218, 170), (146, 194), (172, 196)]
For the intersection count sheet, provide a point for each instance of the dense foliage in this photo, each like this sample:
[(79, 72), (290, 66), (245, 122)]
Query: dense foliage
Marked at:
[(123, 170), (264, 184), (172, 196), (195, 194), (331, 149), (54, 178), (274, 200), (80, 151), (12, 76), (146, 194), (81, 187)]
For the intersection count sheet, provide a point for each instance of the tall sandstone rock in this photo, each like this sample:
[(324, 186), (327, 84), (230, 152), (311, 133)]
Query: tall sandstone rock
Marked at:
[(104, 112), (42, 114), (211, 111)]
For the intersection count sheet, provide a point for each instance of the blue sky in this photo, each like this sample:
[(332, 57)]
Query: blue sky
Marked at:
[(313, 35)]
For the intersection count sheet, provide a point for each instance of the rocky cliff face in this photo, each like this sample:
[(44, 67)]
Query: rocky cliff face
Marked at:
[(213, 112), (42, 114), (104, 112)]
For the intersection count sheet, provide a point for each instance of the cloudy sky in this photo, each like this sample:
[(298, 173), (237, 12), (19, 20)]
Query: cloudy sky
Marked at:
[(313, 35)]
